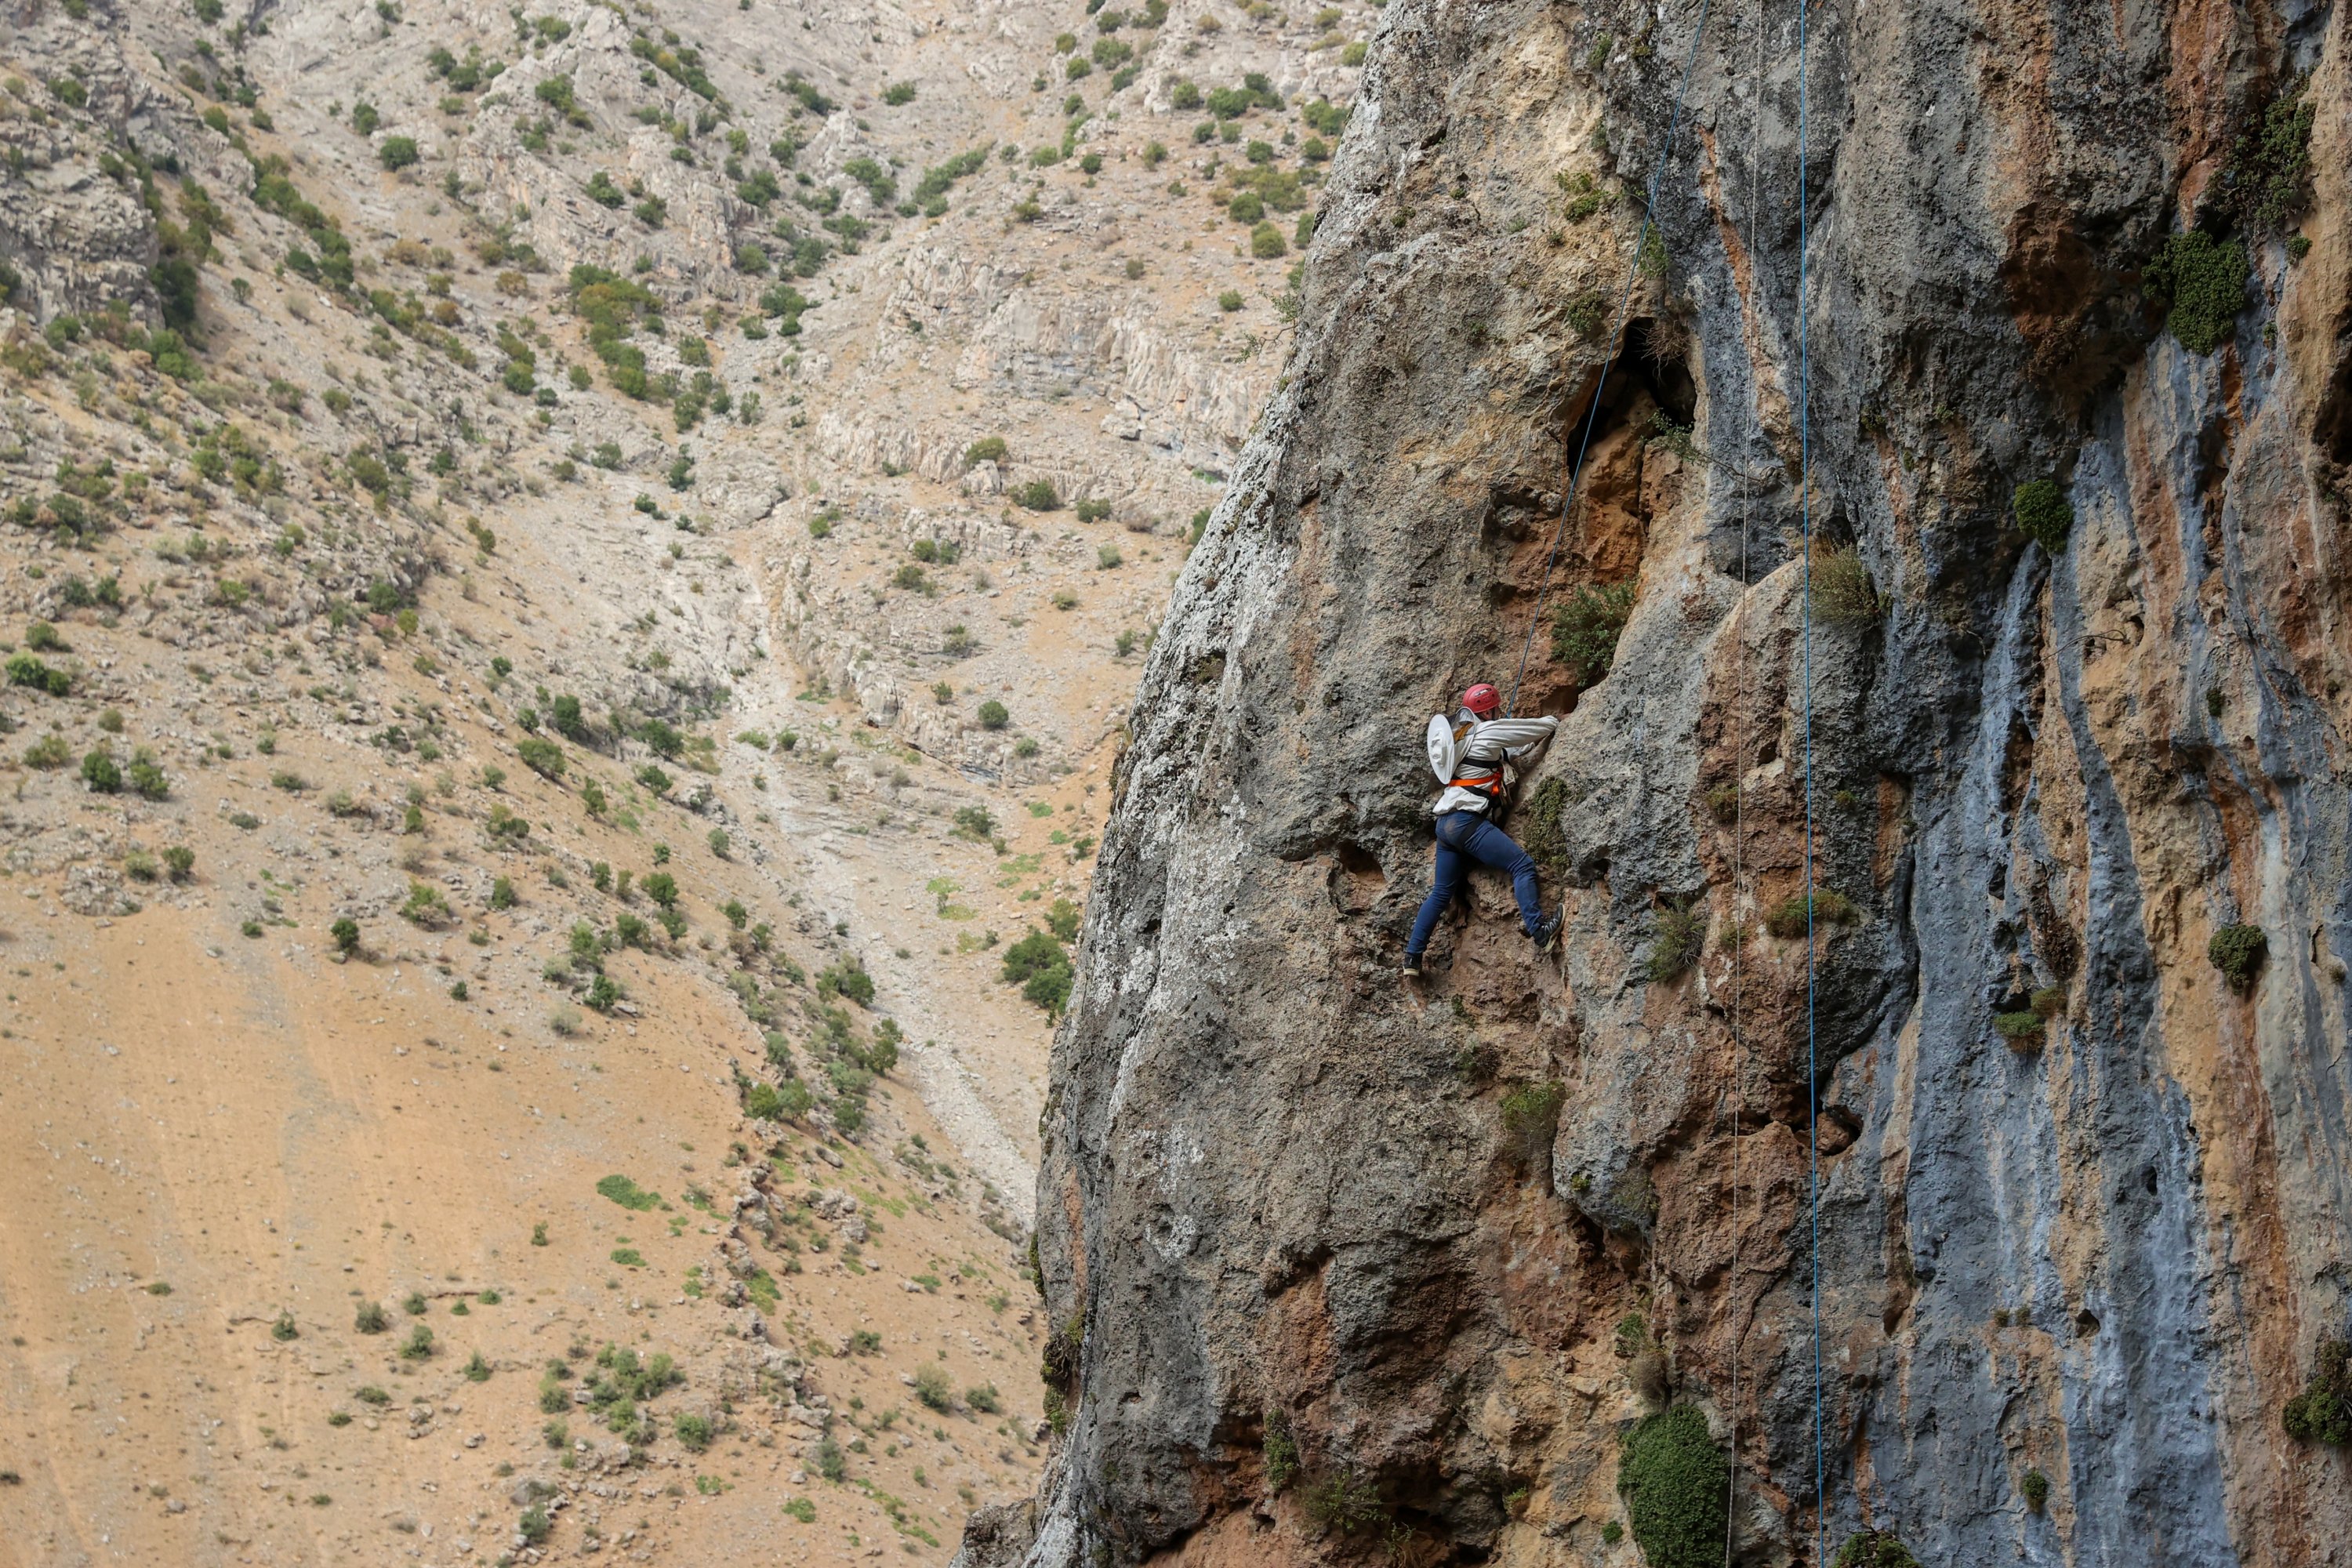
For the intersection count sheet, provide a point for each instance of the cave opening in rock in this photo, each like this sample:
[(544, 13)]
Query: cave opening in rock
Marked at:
[(1647, 395)]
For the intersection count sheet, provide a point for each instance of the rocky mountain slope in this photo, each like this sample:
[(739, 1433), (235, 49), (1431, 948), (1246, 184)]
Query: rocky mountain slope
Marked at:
[(570, 581), (1522, 1268)]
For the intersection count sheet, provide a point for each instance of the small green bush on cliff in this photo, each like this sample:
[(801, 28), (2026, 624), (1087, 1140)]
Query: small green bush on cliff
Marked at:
[(2043, 513), (1584, 631), (1875, 1549), (1040, 967), (1673, 1481), (1281, 1452), (1674, 944), (1531, 1115), (2021, 1030), (2322, 1413), (2268, 176), (1841, 592), (2238, 952), (1344, 1503), (2201, 283), (2036, 1488), (1786, 919), (1538, 825)]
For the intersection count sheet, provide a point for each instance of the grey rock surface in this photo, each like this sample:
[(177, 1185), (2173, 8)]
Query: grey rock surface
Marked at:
[(1312, 1237)]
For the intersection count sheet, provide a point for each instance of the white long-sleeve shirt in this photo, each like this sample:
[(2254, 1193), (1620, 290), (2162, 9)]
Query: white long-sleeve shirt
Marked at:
[(1490, 744)]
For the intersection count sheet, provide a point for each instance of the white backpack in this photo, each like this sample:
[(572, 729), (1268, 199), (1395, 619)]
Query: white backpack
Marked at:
[(1443, 740)]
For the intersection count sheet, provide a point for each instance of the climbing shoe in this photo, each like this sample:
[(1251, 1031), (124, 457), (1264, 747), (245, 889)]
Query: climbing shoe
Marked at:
[(1546, 936), (1413, 966)]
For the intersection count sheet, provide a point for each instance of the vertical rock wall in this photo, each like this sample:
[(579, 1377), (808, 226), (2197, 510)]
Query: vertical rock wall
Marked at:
[(1328, 1272)]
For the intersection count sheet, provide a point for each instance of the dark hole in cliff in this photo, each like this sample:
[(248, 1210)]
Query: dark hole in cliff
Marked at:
[(2086, 1323), (2016, 764), (2054, 941), (2147, 1179), (1649, 372), (2333, 428), (1646, 395), (1839, 1129), (1357, 881), (2213, 462)]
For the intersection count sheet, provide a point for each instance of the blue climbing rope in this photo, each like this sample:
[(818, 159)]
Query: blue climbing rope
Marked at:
[(1616, 335), (1805, 513)]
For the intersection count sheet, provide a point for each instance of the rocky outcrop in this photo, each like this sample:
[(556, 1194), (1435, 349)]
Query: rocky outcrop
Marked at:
[(1334, 1262), (73, 233)]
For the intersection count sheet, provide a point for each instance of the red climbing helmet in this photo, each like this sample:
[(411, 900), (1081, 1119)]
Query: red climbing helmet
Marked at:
[(1482, 699)]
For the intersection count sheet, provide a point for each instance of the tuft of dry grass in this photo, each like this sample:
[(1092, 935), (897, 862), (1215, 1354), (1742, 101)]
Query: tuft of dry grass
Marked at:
[(1841, 589)]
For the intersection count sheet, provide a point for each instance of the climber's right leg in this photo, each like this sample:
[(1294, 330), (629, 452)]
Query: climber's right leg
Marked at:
[(1446, 884)]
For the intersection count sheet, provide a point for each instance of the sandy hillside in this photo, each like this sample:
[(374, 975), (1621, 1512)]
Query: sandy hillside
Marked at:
[(572, 581)]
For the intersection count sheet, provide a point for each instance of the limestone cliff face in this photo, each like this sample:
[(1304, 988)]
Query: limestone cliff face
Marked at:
[(1288, 1208)]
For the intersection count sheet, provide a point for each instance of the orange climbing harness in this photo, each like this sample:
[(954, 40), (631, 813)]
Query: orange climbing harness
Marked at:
[(1493, 785)]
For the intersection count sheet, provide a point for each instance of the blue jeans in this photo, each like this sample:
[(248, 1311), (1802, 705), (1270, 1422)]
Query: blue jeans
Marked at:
[(1466, 833)]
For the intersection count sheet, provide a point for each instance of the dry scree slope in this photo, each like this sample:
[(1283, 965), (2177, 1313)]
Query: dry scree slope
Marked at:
[(572, 577)]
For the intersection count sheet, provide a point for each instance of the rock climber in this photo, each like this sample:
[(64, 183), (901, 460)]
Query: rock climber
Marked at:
[(1474, 751)]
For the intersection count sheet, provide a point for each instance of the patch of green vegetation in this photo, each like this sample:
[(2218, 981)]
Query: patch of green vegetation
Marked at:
[(1873, 1549), (1673, 1479), (2238, 952), (2021, 1030), (848, 978), (764, 1291), (2201, 283), (2322, 1413), (1343, 1503), (932, 1387), (1585, 629), (773, 1102), (1786, 918), (1841, 590), (2045, 513), (1281, 1452), (2268, 175), (1530, 1114), (1675, 941), (628, 1193), (1040, 967)]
